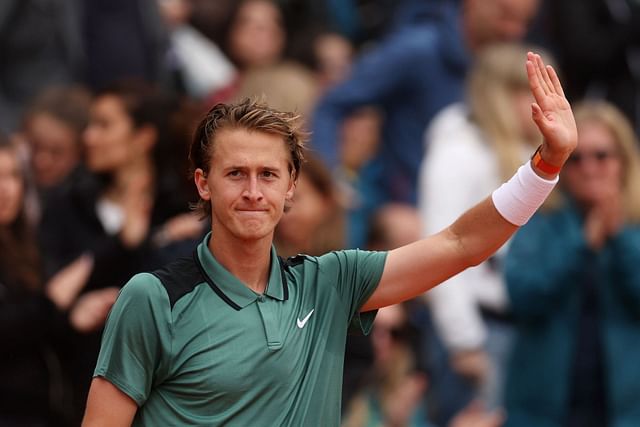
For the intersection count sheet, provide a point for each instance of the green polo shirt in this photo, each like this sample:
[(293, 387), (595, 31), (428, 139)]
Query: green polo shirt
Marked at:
[(192, 345)]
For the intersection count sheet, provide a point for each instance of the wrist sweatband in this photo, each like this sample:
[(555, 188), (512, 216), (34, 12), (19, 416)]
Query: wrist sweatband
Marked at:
[(520, 197)]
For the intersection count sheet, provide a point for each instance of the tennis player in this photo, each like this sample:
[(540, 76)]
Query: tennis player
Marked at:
[(236, 336)]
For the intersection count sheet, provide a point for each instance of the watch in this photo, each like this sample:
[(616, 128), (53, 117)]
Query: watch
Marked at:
[(538, 162)]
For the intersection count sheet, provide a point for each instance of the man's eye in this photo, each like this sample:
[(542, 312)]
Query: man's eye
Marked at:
[(268, 174), (234, 173)]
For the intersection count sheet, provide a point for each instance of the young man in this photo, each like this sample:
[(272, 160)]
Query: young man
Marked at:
[(235, 336)]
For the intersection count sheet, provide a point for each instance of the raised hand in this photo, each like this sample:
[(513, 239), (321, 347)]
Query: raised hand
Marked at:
[(551, 112)]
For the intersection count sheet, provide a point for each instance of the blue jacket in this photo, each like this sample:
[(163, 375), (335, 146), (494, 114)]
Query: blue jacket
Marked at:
[(543, 274), (410, 76)]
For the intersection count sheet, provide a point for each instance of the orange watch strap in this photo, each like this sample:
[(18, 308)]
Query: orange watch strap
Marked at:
[(541, 164)]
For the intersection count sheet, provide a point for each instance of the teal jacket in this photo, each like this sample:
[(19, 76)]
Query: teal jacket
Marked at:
[(543, 275)]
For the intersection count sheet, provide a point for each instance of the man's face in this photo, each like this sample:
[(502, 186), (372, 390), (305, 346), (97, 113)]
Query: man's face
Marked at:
[(492, 21), (247, 184)]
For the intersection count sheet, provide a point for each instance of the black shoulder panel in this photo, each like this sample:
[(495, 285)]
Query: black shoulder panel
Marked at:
[(179, 277), (294, 260)]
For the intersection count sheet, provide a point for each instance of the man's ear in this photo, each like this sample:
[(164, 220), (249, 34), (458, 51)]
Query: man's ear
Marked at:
[(200, 179), (293, 182)]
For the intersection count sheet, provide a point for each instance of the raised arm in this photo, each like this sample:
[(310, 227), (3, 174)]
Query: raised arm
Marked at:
[(479, 232)]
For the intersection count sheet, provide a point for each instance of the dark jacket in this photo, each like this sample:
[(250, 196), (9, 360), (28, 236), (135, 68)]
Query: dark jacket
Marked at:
[(546, 273)]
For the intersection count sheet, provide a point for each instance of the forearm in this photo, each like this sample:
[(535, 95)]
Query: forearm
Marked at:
[(414, 269), (480, 232)]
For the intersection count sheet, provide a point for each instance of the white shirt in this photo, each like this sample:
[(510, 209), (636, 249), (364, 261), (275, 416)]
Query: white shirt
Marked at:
[(459, 170)]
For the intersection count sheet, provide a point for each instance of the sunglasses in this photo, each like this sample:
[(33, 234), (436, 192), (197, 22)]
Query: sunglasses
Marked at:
[(600, 156)]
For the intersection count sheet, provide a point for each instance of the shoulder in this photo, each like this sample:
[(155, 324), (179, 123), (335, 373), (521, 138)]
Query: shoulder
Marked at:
[(179, 277)]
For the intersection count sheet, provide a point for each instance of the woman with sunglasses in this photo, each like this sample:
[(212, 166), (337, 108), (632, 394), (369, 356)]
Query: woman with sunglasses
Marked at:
[(577, 307)]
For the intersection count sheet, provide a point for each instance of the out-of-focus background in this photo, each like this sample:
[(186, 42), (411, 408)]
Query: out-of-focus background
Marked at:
[(417, 109)]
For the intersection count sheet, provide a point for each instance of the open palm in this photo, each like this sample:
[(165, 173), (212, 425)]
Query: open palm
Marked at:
[(551, 111)]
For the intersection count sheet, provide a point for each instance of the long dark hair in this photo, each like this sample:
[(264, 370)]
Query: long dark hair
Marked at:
[(19, 257)]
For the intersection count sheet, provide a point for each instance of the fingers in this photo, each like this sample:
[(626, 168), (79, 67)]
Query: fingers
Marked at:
[(537, 115), (546, 80), (534, 82), (555, 80), (543, 78), (64, 286)]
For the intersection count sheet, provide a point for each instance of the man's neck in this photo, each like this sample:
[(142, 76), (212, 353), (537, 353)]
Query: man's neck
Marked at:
[(248, 261)]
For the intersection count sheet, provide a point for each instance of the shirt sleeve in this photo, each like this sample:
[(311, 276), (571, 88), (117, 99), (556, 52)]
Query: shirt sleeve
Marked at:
[(136, 343), (355, 274)]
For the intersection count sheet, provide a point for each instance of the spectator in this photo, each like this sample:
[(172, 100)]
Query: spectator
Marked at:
[(577, 307), (410, 76), (256, 42), (332, 57), (314, 224), (40, 45), (200, 66), (472, 147), (598, 45), (53, 127), (395, 394), (124, 39), (32, 390)]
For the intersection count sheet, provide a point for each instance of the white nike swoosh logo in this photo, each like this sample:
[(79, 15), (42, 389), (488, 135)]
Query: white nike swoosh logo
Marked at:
[(303, 322)]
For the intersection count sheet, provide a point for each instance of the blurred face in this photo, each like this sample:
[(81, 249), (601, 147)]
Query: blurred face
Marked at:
[(387, 332), (110, 137), (55, 149), (257, 37), (595, 168), (491, 21), (247, 184), (333, 53), (309, 211), (11, 187)]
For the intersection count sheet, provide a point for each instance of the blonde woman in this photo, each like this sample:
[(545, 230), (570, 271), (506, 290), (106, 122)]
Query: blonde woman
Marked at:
[(577, 308), (471, 147)]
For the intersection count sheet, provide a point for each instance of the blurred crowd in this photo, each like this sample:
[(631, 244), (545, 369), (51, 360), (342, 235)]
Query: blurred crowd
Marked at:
[(416, 110)]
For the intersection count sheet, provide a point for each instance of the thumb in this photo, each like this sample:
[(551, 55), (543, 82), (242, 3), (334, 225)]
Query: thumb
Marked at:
[(536, 113)]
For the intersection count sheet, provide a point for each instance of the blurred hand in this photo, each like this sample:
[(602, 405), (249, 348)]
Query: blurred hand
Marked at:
[(474, 415), (551, 112), (65, 285), (174, 12), (180, 227), (472, 364), (90, 311), (604, 219), (403, 401)]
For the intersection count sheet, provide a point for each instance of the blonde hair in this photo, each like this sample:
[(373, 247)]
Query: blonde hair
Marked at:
[(615, 121), (498, 72)]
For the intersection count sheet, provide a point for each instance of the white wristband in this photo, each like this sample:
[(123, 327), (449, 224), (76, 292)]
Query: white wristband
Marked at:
[(520, 197)]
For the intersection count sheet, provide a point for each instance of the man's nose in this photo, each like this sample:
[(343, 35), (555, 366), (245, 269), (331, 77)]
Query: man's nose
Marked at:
[(252, 190)]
